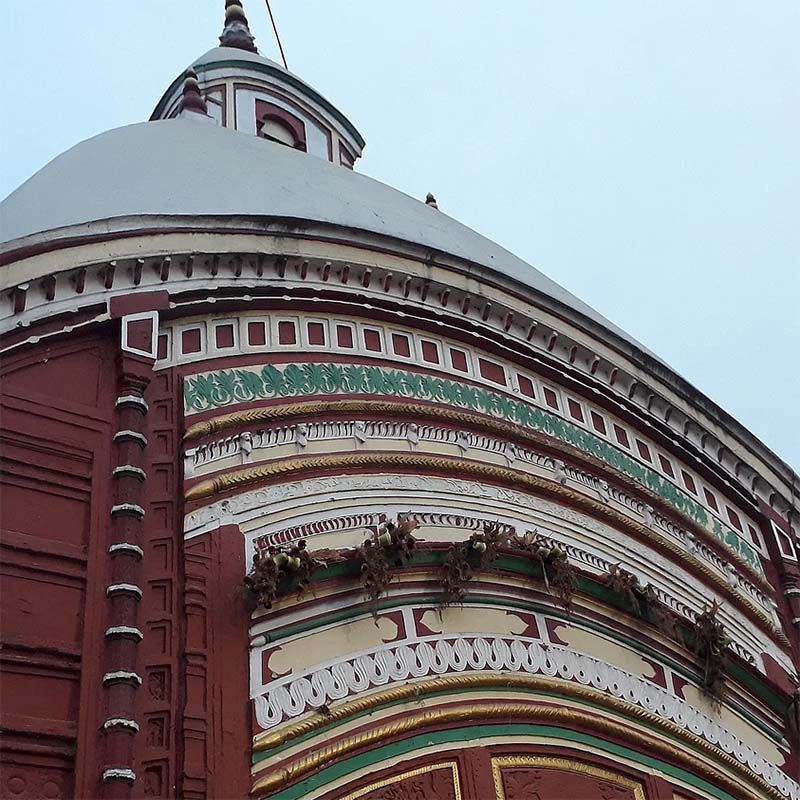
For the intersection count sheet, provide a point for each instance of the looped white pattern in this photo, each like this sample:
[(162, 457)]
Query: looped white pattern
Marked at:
[(293, 695)]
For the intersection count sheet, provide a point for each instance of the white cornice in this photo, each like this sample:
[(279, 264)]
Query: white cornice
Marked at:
[(584, 349)]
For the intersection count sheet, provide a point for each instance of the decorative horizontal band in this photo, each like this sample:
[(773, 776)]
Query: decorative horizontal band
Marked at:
[(132, 400), (124, 631), (126, 547), (119, 774), (127, 508), (128, 470), (386, 480), (122, 676), (220, 388), (139, 438), (286, 468), (119, 722), (123, 588), (794, 590), (517, 660), (717, 768)]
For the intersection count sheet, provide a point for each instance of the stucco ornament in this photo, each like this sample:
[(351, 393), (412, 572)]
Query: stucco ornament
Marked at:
[(294, 695), (220, 388), (247, 506)]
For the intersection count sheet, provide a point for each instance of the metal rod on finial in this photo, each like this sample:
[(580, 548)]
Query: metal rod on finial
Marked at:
[(277, 37)]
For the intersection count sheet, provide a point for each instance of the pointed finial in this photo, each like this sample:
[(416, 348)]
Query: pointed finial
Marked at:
[(192, 99), (236, 32), (430, 200)]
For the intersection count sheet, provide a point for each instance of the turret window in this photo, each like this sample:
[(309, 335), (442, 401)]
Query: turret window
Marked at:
[(280, 126), (276, 131)]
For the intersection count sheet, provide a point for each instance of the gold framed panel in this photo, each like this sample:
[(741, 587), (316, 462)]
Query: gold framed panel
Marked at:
[(551, 762), (451, 765)]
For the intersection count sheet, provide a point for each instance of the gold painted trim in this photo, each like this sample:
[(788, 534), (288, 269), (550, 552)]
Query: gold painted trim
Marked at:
[(415, 410), (549, 762), (286, 411), (424, 411), (343, 461), (288, 467), (410, 774), (474, 681), (412, 721)]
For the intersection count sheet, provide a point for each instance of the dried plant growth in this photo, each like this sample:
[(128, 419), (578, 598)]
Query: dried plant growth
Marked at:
[(479, 552), (277, 571), (399, 541), (710, 645), (561, 574), (375, 572), (624, 583), (390, 547), (557, 572), (487, 543), (456, 572), (643, 600), (661, 617)]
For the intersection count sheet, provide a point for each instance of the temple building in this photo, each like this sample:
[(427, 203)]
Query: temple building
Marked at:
[(310, 491)]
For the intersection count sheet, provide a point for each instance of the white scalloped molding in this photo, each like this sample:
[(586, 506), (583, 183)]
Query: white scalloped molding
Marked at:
[(286, 698)]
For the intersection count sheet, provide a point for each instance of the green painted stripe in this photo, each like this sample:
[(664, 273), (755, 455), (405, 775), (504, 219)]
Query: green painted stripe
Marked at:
[(474, 734), (220, 388)]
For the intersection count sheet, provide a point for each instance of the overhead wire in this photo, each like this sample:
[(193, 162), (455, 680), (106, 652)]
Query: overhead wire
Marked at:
[(277, 36)]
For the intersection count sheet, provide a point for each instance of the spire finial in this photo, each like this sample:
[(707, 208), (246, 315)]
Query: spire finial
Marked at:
[(192, 99), (236, 32)]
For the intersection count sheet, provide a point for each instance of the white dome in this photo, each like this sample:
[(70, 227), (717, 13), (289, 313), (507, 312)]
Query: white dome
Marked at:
[(185, 169)]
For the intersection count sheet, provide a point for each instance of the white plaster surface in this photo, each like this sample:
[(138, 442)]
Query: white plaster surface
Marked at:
[(177, 167)]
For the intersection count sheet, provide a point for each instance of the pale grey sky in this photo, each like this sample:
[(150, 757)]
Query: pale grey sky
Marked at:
[(643, 154)]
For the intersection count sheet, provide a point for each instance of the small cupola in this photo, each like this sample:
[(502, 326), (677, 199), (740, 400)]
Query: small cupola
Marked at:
[(244, 91)]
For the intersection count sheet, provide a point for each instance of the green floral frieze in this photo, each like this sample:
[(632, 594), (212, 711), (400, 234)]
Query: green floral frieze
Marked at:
[(229, 386)]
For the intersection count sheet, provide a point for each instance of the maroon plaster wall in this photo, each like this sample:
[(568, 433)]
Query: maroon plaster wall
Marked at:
[(476, 779), (54, 484)]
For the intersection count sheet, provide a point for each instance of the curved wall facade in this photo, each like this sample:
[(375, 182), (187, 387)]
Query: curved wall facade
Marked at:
[(248, 400), (295, 509)]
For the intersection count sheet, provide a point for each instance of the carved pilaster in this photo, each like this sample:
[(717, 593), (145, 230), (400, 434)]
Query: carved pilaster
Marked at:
[(216, 715), (161, 652), (123, 593), (121, 678)]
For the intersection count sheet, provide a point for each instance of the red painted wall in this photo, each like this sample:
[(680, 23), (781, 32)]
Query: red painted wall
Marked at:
[(56, 410), (56, 491), (577, 776)]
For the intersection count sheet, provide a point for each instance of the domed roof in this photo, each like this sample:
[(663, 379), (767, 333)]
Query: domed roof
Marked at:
[(183, 169)]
